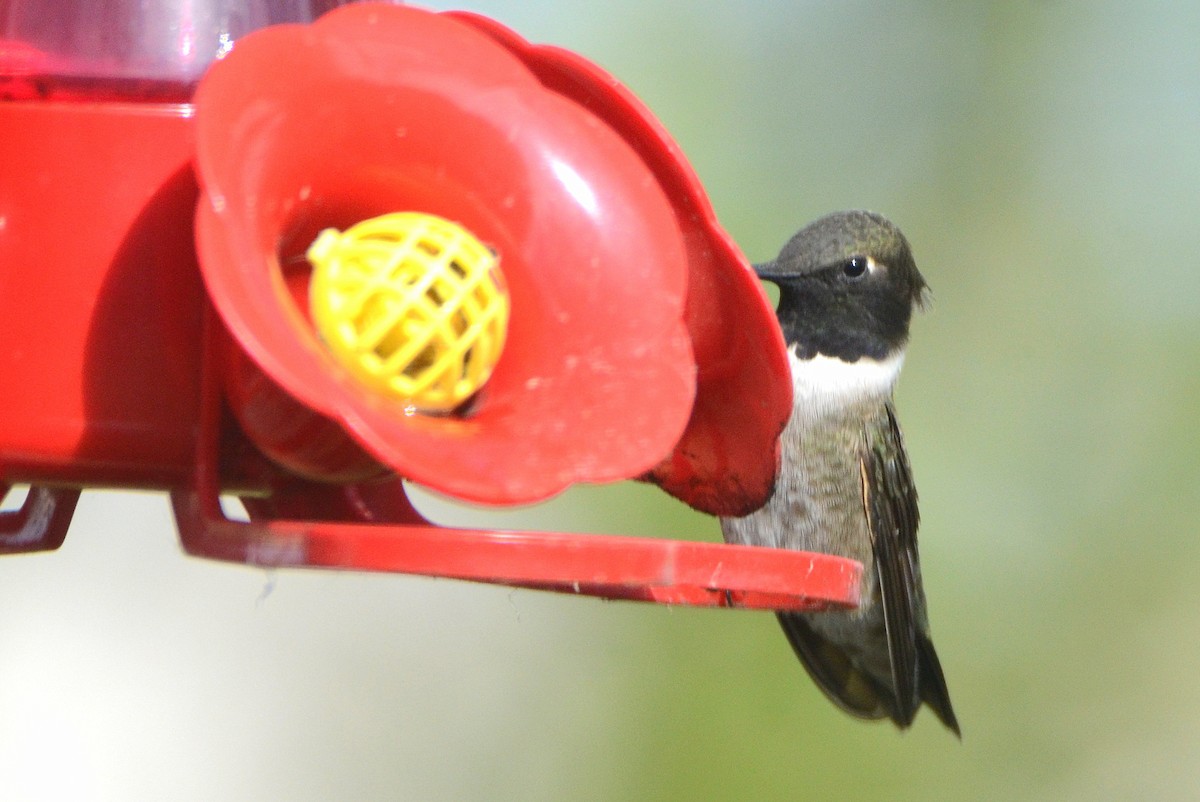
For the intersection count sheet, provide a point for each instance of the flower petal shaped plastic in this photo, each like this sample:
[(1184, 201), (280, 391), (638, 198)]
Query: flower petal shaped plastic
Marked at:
[(727, 459), (376, 109)]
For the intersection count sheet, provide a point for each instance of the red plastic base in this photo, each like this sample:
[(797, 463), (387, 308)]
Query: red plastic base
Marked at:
[(378, 530)]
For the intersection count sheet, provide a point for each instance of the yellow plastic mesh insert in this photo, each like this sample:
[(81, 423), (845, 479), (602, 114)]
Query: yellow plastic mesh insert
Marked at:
[(412, 305)]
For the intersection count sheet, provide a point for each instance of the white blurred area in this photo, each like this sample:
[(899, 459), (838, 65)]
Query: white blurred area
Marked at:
[(129, 671)]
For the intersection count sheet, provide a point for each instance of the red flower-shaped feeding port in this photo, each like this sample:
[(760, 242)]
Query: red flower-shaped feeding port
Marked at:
[(627, 297)]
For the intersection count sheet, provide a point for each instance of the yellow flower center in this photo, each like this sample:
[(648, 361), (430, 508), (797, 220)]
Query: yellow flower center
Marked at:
[(412, 305)]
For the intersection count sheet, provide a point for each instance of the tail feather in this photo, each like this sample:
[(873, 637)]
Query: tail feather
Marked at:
[(859, 693), (933, 684)]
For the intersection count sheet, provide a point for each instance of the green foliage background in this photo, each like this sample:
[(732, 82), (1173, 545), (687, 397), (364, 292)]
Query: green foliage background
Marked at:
[(1042, 158)]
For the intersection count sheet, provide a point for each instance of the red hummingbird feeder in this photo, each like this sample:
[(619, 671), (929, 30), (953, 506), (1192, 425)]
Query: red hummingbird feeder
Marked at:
[(306, 261)]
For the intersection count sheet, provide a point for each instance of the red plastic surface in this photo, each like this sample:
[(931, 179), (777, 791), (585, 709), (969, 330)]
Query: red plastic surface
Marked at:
[(100, 295), (131, 50)]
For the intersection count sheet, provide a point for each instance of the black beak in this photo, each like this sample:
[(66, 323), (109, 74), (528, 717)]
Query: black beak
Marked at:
[(768, 271)]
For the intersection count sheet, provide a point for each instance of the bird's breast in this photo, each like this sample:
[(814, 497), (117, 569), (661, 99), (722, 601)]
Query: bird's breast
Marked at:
[(818, 500)]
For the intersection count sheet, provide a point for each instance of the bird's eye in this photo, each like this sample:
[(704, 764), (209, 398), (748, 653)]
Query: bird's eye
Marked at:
[(855, 267)]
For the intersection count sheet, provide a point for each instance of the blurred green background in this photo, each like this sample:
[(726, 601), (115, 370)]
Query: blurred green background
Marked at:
[(1042, 158)]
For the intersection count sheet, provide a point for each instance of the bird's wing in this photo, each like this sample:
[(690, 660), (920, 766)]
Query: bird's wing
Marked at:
[(890, 503)]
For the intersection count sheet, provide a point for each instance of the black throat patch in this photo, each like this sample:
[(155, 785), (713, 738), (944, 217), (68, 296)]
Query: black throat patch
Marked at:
[(818, 319)]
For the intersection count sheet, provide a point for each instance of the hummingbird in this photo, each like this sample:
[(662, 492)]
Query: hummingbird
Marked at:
[(848, 286)]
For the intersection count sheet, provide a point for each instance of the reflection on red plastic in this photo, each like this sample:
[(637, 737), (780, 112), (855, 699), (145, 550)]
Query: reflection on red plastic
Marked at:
[(133, 50)]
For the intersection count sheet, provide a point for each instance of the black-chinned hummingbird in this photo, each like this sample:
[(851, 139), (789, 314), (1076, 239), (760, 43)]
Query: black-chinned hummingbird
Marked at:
[(847, 289)]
